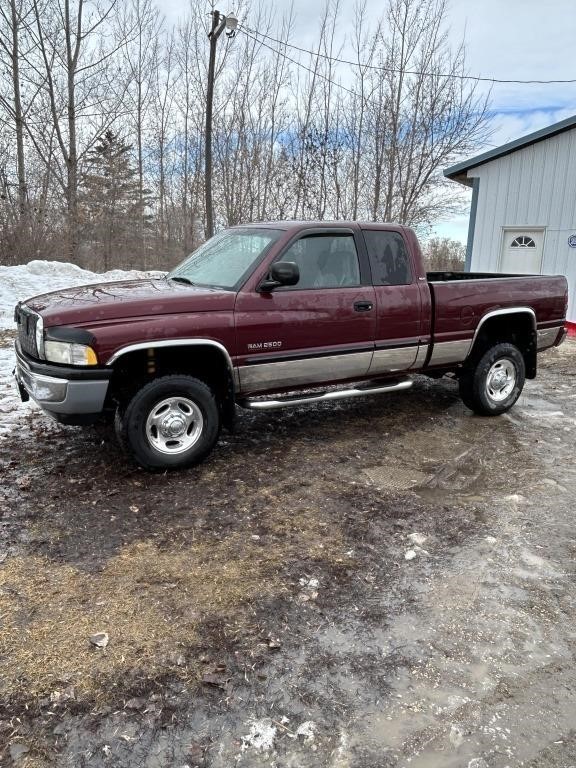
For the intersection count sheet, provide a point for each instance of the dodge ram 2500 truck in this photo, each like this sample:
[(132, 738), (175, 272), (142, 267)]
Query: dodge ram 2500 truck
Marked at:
[(278, 314)]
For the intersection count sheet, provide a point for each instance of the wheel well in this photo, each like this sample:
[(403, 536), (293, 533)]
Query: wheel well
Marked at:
[(517, 329), (135, 369)]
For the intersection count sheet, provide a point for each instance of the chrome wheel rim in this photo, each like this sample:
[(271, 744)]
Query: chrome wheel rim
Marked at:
[(501, 380), (174, 425)]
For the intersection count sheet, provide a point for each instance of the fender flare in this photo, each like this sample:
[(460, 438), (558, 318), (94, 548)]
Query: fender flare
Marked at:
[(155, 344), (228, 403), (499, 312)]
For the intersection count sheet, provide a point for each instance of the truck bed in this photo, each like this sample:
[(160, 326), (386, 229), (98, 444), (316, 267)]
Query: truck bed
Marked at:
[(461, 299), (443, 277)]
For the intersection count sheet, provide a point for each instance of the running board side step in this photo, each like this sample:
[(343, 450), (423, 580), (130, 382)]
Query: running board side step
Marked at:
[(321, 397)]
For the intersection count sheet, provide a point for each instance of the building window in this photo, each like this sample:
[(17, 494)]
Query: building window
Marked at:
[(523, 241)]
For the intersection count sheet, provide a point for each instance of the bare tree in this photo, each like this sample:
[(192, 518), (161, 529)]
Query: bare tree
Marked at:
[(295, 134), (444, 254), (139, 28), (73, 43), (163, 128), (189, 103), (13, 18), (431, 113)]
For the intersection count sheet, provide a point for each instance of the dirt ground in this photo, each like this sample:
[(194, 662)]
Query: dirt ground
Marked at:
[(383, 582)]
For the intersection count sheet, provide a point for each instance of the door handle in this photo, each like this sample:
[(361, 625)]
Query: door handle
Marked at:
[(363, 306)]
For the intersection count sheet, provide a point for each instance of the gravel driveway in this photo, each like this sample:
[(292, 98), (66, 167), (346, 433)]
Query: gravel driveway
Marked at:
[(382, 582)]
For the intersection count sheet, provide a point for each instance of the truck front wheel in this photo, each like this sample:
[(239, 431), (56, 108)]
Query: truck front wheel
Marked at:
[(495, 382), (170, 423)]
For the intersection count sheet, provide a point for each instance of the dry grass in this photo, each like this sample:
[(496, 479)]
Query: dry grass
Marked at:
[(35, 761), (7, 338), (150, 600)]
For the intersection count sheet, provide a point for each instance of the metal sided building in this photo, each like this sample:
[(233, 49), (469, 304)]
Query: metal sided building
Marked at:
[(523, 214)]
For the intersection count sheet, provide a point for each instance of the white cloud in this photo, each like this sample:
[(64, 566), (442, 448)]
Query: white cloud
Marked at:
[(455, 229), (511, 125)]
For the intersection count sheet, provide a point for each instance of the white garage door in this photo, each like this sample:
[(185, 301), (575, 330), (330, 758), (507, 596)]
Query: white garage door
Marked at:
[(522, 251)]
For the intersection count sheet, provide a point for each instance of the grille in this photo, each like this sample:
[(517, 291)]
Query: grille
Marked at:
[(26, 320)]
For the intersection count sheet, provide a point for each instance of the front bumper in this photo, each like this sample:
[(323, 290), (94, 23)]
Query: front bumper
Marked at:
[(70, 395)]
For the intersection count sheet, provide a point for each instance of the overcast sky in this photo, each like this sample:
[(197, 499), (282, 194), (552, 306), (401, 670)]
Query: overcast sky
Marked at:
[(508, 39)]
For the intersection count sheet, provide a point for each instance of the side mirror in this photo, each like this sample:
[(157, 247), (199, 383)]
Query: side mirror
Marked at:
[(281, 273)]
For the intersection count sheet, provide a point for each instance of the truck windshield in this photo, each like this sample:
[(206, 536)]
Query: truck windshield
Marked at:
[(225, 259)]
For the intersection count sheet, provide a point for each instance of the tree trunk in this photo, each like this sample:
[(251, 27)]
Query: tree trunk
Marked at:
[(72, 160), (18, 117)]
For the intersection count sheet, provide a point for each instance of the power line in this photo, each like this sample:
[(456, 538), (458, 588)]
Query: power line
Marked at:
[(393, 70), (294, 61)]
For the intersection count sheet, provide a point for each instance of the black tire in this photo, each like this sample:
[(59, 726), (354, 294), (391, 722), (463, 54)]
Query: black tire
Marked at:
[(495, 382), (159, 435)]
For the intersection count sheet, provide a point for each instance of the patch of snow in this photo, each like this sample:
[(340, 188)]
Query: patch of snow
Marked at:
[(410, 554), (456, 736), (341, 753), (417, 538), (261, 735), (307, 729), (22, 282), (13, 412), (544, 415), (310, 583), (26, 280)]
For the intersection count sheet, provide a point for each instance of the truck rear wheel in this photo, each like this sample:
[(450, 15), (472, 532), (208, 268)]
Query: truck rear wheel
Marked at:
[(493, 385), (170, 423)]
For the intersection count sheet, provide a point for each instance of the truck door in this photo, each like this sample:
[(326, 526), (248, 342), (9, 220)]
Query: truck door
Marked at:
[(320, 330), (398, 302)]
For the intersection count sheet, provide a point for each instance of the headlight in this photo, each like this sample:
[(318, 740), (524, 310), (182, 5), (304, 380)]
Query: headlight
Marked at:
[(69, 354)]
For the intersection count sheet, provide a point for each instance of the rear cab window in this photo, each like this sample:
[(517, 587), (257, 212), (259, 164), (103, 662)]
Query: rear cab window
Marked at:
[(389, 258)]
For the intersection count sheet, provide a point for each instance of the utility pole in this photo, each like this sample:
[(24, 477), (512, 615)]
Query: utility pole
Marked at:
[(219, 22)]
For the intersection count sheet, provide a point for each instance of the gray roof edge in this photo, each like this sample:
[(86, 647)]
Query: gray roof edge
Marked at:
[(512, 146)]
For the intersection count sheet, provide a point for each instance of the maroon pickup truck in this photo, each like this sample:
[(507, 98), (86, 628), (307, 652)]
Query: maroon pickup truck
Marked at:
[(273, 315)]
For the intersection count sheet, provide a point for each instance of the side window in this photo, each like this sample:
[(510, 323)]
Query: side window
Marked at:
[(325, 261), (388, 257)]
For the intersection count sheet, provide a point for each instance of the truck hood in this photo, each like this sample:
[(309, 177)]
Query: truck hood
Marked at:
[(89, 304)]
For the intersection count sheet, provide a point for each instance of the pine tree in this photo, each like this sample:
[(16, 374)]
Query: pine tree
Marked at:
[(112, 216)]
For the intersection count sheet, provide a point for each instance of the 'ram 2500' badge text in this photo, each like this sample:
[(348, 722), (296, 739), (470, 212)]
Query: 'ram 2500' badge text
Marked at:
[(265, 345)]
